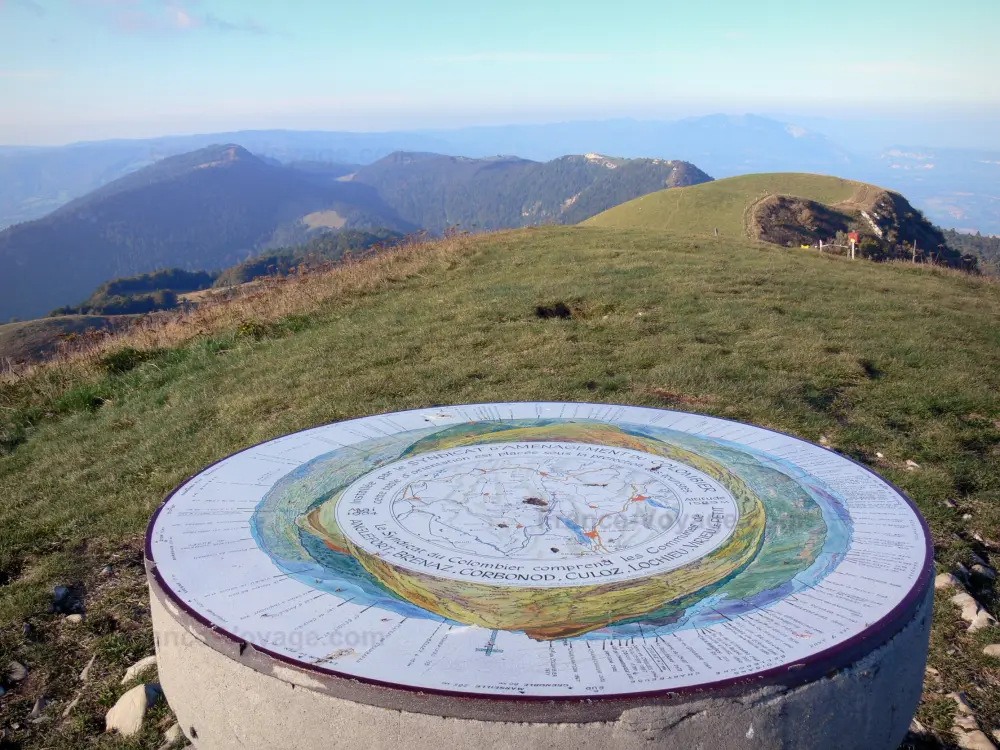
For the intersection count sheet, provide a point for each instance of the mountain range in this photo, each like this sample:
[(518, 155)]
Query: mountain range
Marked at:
[(205, 210), (959, 191), (436, 191), (221, 205)]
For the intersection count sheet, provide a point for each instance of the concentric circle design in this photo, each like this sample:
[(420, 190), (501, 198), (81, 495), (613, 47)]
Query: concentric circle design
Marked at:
[(543, 550)]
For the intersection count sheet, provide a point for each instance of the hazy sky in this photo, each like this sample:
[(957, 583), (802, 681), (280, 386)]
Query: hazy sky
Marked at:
[(84, 69)]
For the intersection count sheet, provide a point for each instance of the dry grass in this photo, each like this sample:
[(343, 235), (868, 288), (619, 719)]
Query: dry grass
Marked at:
[(259, 302)]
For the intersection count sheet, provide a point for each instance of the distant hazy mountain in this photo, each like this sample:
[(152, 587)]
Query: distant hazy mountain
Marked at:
[(204, 210), (438, 191), (34, 181), (722, 145)]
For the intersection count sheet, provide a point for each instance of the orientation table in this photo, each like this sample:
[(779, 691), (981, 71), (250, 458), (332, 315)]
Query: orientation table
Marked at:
[(550, 575)]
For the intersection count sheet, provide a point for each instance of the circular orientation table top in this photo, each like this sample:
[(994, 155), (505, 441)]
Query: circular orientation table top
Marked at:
[(553, 551)]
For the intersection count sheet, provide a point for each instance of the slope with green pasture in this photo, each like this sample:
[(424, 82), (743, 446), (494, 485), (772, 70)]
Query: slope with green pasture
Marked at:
[(886, 363), (725, 204), (793, 209)]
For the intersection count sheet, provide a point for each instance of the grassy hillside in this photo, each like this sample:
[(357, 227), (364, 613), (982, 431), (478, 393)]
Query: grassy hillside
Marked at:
[(889, 363), (794, 209), (722, 204)]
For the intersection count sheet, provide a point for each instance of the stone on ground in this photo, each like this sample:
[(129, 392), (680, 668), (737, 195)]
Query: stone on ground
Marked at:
[(36, 710), (72, 704), (16, 671), (966, 723), (85, 674), (171, 737), (127, 714), (138, 668), (973, 612), (946, 581), (981, 621), (975, 741), (992, 650)]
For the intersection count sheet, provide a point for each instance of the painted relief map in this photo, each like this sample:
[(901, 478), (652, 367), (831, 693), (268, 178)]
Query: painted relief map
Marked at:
[(540, 549)]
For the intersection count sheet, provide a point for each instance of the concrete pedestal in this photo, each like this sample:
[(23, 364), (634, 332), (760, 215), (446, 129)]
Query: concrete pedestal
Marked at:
[(228, 695)]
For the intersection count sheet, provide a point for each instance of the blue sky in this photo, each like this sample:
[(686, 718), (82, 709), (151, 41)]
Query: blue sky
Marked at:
[(84, 69)]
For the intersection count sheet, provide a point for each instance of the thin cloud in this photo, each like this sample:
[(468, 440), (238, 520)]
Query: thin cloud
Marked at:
[(523, 57), (891, 67), (220, 24), (26, 75), (163, 16), (29, 5)]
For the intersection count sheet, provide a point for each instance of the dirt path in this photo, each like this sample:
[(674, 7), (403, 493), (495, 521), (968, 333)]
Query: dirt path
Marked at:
[(750, 226), (862, 199)]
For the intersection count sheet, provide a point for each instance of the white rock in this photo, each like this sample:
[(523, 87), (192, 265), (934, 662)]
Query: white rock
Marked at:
[(74, 619), (970, 607), (947, 581), (138, 668), (967, 517), (85, 674), (975, 741), (963, 703), (992, 650), (16, 671), (127, 714), (949, 504), (824, 440), (72, 705), (911, 465), (966, 723), (171, 737), (36, 711), (996, 734), (981, 621), (879, 455)]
